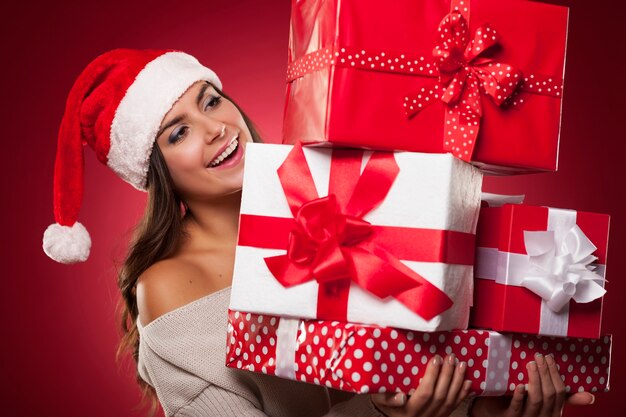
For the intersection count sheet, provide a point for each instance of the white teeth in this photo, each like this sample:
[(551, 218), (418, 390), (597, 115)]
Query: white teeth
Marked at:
[(233, 145)]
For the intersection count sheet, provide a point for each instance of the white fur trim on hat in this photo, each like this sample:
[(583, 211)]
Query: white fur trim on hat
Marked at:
[(140, 113), (67, 244)]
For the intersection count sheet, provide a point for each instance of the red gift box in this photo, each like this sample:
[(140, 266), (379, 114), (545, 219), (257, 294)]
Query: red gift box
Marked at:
[(536, 270), (362, 359), (368, 75)]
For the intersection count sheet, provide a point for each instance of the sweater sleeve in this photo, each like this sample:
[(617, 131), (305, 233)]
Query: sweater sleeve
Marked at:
[(182, 353), (215, 401), (461, 411)]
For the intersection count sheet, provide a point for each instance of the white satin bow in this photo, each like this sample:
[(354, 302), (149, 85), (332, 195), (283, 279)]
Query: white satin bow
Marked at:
[(560, 271)]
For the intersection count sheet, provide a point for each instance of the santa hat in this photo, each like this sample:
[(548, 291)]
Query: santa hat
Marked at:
[(116, 106)]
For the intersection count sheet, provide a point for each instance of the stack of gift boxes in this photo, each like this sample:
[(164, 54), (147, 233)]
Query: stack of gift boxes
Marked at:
[(364, 247)]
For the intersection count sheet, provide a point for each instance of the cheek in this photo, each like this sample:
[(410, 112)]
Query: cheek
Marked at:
[(183, 162), (234, 117)]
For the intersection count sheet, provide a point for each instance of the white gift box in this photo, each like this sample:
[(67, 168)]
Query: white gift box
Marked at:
[(431, 191)]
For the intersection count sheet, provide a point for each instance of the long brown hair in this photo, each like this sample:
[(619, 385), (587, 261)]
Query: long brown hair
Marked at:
[(156, 237)]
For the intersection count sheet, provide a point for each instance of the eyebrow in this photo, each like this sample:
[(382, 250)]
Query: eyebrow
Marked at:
[(178, 119), (201, 93)]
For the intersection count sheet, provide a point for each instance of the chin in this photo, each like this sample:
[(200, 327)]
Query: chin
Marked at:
[(229, 190)]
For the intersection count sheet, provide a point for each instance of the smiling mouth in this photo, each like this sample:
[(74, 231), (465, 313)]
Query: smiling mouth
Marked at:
[(226, 154)]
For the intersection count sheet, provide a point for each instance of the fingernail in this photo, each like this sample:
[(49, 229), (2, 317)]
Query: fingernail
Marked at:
[(593, 399), (399, 399), (467, 384), (462, 365), (532, 366), (520, 388), (437, 360), (539, 358), (451, 359), (550, 360)]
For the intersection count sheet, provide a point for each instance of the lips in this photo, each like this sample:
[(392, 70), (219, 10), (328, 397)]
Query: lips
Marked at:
[(225, 152)]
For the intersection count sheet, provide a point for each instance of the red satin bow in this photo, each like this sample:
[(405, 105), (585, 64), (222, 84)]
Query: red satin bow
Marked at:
[(331, 243), (465, 74), (323, 239)]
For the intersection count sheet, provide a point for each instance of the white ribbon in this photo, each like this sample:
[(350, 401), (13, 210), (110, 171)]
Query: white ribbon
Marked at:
[(560, 269), (498, 364), (286, 345), (498, 200)]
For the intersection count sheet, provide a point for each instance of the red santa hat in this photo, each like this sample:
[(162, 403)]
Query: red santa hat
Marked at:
[(116, 107)]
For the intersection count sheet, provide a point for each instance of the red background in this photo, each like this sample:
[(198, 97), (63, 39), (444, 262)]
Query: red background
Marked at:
[(57, 350)]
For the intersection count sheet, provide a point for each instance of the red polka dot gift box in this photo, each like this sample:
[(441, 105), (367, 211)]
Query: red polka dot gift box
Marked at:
[(362, 358), (540, 270), (481, 79), (379, 237)]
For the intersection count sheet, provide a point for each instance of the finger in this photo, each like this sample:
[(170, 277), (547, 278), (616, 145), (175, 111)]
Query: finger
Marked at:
[(580, 398), (455, 373), (465, 392), (516, 405), (535, 396), (559, 386), (425, 390), (443, 383), (547, 387), (389, 399), (457, 385)]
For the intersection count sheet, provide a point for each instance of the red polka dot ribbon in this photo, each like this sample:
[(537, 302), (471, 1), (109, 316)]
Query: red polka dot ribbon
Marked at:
[(363, 59)]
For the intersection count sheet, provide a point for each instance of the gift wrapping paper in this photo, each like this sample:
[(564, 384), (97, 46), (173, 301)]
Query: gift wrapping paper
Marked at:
[(397, 250), (481, 79), (540, 270), (362, 358)]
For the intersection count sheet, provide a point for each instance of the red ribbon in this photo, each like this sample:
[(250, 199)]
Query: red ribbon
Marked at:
[(331, 243), (465, 75)]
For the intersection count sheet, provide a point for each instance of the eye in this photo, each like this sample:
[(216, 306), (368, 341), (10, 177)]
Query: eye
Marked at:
[(178, 134), (212, 101)]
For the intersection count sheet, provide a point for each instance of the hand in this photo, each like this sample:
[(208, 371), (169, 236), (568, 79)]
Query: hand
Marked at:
[(546, 395), (441, 390)]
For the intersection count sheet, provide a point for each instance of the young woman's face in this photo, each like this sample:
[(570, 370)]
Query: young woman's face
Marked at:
[(203, 138)]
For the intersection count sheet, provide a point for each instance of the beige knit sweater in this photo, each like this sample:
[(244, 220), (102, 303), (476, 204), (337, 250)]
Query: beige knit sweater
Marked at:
[(182, 355)]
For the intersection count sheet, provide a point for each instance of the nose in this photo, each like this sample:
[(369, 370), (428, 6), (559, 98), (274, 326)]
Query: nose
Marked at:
[(214, 129)]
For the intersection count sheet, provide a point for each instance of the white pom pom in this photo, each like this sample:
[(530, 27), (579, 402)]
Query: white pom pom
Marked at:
[(67, 244)]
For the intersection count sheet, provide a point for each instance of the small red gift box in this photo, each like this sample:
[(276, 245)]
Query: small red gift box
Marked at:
[(540, 270), (361, 358), (482, 80)]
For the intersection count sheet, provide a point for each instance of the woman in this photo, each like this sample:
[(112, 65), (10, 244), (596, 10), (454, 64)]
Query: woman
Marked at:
[(160, 121)]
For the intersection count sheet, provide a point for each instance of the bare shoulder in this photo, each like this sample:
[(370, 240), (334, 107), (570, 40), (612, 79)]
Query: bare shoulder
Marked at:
[(168, 285)]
